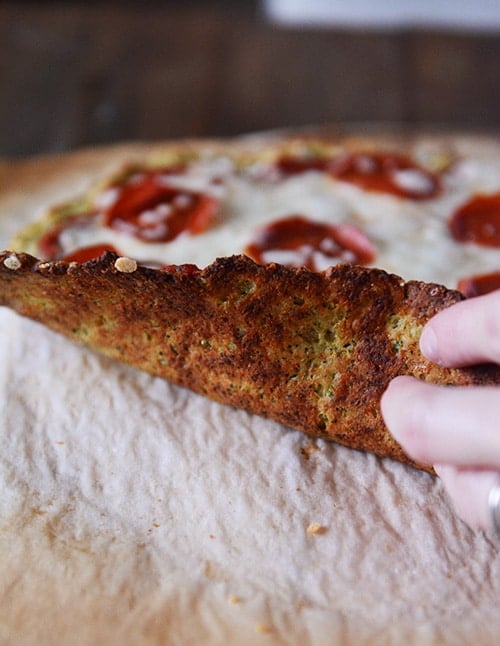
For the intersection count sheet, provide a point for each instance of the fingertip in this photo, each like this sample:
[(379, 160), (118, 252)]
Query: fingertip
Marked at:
[(396, 389), (392, 403), (399, 382), (429, 345), (404, 413)]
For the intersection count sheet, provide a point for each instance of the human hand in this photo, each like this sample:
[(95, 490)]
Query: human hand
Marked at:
[(455, 429)]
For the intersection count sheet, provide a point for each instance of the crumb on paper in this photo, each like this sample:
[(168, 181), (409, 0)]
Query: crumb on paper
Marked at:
[(213, 572), (316, 528), (12, 262), (125, 265), (263, 629), (234, 599), (307, 450)]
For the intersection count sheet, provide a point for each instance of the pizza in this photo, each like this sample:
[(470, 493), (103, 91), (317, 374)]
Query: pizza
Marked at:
[(427, 211), (290, 277)]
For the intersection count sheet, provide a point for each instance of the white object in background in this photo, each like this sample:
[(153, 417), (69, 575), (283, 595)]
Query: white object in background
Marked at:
[(448, 14)]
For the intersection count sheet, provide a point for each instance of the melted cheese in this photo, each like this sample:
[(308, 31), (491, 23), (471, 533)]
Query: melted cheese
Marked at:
[(411, 237)]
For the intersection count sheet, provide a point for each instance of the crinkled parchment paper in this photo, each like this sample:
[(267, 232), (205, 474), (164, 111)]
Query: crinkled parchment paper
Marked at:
[(135, 512)]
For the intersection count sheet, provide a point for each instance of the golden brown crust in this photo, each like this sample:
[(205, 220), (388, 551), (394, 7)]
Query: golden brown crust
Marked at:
[(312, 351)]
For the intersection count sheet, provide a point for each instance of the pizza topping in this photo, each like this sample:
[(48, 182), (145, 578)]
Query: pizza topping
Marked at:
[(107, 198), (61, 242), (92, 252), (293, 165), (187, 269), (387, 173), (478, 221), (296, 241), (379, 172), (154, 211), (52, 244), (479, 285), (125, 265), (12, 262)]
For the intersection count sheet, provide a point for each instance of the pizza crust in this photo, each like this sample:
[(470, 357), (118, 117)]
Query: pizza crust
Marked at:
[(314, 351)]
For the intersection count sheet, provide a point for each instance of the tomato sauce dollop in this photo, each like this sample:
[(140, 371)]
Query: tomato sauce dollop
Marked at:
[(310, 244), (151, 210), (478, 221), (379, 172)]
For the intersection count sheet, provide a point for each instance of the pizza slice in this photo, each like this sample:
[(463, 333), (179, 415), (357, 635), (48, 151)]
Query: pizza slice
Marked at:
[(311, 350)]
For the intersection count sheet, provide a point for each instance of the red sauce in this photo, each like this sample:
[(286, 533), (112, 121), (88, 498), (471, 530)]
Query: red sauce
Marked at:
[(290, 165), (187, 269), (89, 253), (479, 285), (314, 243), (154, 212), (478, 221), (378, 172), (50, 243)]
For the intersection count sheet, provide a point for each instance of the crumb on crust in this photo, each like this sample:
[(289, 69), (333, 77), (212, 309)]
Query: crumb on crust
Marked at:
[(12, 262), (125, 265)]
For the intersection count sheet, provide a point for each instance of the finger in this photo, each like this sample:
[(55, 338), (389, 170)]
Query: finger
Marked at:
[(464, 334), (469, 491), (444, 424)]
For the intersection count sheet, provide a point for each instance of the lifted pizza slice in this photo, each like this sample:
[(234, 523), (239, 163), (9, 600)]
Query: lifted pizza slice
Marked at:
[(312, 350)]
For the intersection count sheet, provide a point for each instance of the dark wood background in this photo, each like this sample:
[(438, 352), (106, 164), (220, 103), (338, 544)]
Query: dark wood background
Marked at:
[(75, 74)]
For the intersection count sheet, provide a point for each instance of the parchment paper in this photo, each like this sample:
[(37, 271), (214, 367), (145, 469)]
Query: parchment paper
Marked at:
[(135, 512)]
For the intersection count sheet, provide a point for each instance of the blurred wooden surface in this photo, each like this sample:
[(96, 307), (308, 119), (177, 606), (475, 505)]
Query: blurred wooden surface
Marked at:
[(75, 74)]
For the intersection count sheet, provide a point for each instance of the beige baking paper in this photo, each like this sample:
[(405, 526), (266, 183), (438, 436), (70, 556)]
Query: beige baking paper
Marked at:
[(135, 512)]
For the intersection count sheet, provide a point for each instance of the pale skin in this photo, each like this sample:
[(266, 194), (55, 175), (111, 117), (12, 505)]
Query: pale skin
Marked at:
[(455, 429)]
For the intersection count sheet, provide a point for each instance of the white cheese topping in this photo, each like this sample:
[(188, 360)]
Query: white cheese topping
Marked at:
[(413, 180), (411, 237)]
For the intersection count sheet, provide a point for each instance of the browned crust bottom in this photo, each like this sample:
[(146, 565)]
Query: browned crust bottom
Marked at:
[(312, 351)]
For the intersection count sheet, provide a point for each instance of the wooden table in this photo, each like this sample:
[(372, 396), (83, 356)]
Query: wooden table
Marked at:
[(74, 74)]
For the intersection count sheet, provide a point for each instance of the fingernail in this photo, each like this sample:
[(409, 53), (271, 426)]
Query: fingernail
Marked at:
[(429, 344)]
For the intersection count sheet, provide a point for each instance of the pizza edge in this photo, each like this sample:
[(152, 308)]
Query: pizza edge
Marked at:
[(314, 351)]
